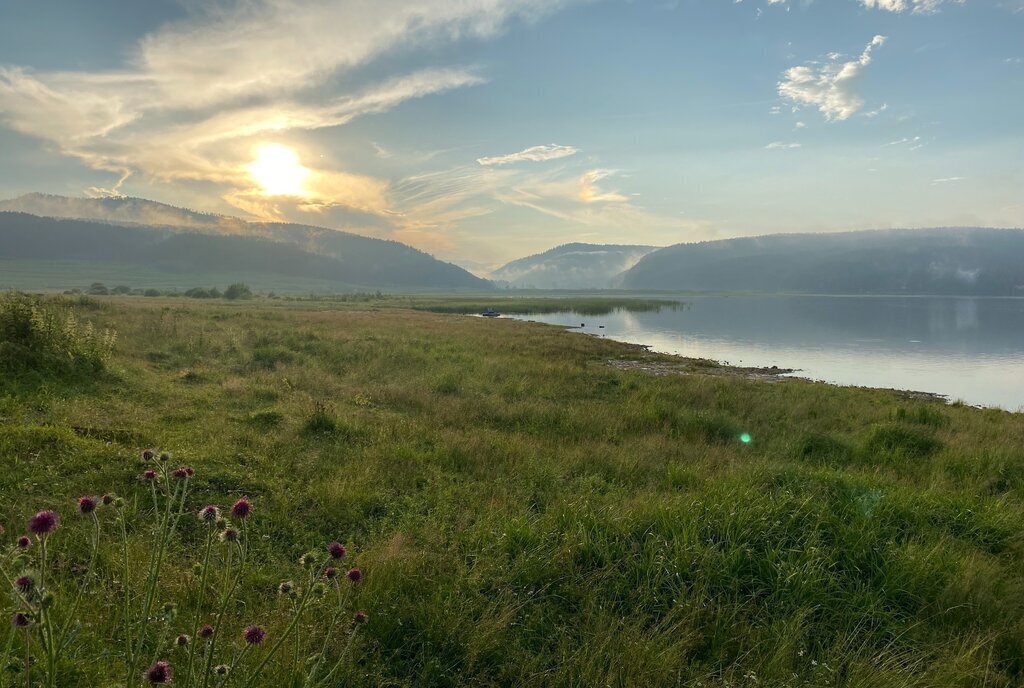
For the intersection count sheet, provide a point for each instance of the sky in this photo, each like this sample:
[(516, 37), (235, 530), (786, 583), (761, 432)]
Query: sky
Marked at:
[(484, 130)]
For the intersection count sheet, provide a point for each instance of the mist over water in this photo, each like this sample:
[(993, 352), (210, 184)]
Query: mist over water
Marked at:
[(969, 349)]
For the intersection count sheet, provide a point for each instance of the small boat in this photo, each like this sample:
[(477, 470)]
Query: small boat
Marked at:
[(490, 313)]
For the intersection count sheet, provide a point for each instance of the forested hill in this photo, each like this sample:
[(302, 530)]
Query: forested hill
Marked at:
[(349, 259), (571, 266), (951, 261)]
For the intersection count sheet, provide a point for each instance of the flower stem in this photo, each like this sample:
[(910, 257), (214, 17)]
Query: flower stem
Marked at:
[(73, 611), (199, 605), (224, 605), (287, 632)]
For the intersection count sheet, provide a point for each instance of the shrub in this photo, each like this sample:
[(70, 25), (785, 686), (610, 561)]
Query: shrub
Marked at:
[(41, 336), (238, 290)]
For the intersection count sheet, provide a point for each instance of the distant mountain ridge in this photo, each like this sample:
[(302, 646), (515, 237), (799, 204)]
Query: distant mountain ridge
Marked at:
[(571, 266), (138, 231), (126, 210), (951, 261)]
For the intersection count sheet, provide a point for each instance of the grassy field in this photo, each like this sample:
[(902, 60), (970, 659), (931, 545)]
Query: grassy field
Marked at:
[(527, 515)]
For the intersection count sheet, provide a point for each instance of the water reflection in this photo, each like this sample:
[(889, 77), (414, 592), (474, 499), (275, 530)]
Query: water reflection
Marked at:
[(966, 348)]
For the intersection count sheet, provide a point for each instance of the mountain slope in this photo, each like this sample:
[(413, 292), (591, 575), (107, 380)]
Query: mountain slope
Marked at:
[(968, 261), (361, 260), (366, 262), (571, 266), (121, 210)]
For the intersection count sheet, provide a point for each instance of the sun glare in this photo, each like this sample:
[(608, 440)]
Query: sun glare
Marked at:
[(278, 171)]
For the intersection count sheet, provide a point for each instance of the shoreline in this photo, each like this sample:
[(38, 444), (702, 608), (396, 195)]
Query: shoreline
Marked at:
[(689, 365)]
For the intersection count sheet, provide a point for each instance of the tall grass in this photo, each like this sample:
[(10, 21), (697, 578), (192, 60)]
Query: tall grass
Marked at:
[(529, 515), (47, 336)]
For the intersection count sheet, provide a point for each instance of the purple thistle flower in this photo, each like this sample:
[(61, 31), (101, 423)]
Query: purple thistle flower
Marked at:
[(148, 455), (229, 534), (159, 673), (86, 505), (181, 473), (206, 631), (361, 617), (355, 575), (182, 640), (209, 514), (254, 635), (20, 620), (24, 584), (24, 541), (241, 509), (330, 573), (43, 523), (336, 550), (149, 475), (189, 471)]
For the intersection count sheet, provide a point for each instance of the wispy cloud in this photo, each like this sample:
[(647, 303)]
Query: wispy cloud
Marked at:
[(783, 145), (902, 141), (590, 191), (830, 86), (197, 95), (551, 151), (947, 180), (915, 6)]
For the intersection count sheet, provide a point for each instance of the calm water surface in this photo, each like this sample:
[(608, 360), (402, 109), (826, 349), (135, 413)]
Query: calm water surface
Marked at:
[(969, 349)]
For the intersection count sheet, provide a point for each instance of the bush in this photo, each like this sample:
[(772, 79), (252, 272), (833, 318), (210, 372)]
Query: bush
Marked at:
[(200, 293), (238, 290), (35, 335)]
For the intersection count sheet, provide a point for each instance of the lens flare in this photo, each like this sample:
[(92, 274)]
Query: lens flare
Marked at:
[(278, 171), (745, 438)]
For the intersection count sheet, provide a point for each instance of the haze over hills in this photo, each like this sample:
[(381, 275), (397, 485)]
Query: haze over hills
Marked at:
[(40, 228), (140, 232), (571, 266), (951, 261), (123, 210)]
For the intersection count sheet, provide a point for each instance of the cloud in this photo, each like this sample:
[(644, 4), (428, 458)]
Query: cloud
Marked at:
[(915, 6), (900, 142), (776, 145), (551, 151), (590, 192), (829, 86), (946, 180), (197, 95)]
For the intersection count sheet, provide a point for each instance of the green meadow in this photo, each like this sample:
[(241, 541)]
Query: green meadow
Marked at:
[(525, 514)]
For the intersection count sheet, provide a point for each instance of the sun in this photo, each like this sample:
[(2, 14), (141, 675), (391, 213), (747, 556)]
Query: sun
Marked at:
[(278, 171)]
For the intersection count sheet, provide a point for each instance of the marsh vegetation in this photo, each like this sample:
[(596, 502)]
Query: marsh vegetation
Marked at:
[(525, 513)]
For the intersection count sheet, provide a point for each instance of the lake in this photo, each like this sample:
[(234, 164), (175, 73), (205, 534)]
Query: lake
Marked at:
[(968, 349)]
